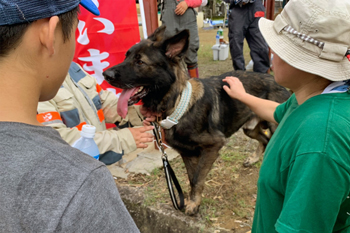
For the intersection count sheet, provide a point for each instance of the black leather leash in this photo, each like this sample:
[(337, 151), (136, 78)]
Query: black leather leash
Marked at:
[(169, 172)]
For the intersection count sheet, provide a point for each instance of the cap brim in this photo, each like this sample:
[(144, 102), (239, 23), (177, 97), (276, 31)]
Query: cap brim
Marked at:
[(301, 58), (90, 6)]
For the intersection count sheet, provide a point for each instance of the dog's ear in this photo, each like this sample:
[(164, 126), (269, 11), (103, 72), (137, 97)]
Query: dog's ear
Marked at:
[(177, 45), (158, 34)]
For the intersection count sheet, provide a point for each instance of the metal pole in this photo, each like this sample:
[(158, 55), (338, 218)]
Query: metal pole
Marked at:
[(270, 11), (143, 19)]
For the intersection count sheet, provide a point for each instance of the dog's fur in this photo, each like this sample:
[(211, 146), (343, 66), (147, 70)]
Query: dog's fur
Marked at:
[(211, 116)]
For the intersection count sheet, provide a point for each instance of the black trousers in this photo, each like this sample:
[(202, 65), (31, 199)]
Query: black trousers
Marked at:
[(243, 23)]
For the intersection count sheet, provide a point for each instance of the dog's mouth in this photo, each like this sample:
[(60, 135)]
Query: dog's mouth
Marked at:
[(129, 97)]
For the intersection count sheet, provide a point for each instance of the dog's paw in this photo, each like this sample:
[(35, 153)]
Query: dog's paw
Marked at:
[(191, 208), (250, 161)]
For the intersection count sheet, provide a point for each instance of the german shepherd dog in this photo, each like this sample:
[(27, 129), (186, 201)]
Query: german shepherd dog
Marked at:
[(152, 72)]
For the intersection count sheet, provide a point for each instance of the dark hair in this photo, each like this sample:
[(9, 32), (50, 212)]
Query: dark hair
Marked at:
[(11, 35)]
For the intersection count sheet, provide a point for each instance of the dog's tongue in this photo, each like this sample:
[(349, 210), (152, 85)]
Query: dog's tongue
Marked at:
[(124, 97)]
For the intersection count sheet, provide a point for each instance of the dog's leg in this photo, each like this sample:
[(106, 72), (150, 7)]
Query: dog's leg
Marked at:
[(255, 129), (254, 158), (191, 163), (197, 170), (272, 127)]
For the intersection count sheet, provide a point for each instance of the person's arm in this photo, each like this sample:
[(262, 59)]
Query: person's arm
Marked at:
[(194, 3), (126, 140), (184, 5), (97, 207), (109, 107), (128, 137), (181, 8), (262, 107)]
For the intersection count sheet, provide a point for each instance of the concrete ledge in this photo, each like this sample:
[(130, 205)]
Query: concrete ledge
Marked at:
[(162, 218)]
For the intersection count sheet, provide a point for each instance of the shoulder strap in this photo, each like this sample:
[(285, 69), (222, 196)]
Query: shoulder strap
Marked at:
[(75, 72)]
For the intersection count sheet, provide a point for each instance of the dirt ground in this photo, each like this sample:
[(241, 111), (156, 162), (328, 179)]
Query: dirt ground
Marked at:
[(230, 193)]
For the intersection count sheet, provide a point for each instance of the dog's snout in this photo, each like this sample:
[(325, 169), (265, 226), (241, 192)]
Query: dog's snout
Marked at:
[(110, 75)]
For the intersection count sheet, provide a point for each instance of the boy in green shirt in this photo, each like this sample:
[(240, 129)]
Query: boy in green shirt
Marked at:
[(304, 181)]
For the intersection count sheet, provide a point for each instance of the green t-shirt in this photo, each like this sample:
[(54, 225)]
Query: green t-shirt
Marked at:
[(304, 182)]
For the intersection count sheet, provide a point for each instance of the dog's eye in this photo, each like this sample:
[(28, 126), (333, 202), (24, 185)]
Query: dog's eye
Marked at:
[(139, 62)]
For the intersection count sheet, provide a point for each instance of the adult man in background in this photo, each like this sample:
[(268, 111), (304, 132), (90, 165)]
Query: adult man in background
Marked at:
[(243, 23)]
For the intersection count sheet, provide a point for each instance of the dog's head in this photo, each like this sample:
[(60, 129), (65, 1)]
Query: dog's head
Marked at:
[(149, 69)]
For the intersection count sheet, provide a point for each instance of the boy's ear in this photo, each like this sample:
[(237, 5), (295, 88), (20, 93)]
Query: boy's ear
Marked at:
[(47, 33)]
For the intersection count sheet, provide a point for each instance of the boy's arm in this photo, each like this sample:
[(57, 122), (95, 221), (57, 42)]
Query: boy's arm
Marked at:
[(262, 107)]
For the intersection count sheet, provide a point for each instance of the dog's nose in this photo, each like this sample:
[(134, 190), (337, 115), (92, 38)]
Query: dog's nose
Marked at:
[(108, 75)]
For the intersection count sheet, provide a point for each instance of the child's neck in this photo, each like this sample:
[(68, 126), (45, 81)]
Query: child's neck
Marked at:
[(310, 89), (19, 95)]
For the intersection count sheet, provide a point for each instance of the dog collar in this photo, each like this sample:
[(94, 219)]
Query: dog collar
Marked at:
[(174, 118)]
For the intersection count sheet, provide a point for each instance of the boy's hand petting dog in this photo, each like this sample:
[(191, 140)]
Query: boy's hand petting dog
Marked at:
[(141, 136), (235, 88)]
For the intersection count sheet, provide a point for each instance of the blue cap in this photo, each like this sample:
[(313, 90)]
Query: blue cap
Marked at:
[(90, 6), (25, 11)]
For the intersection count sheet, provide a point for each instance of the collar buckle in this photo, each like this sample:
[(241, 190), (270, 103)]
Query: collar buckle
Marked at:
[(168, 123)]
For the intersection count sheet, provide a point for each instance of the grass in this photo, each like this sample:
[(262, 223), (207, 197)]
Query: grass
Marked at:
[(207, 40), (206, 53)]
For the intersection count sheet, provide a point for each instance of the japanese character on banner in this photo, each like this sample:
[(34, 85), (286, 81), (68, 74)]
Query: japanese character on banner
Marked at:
[(98, 65), (101, 42)]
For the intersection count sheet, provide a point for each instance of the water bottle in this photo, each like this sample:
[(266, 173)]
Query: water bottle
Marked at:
[(86, 142), (221, 35), (217, 37), (220, 32)]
